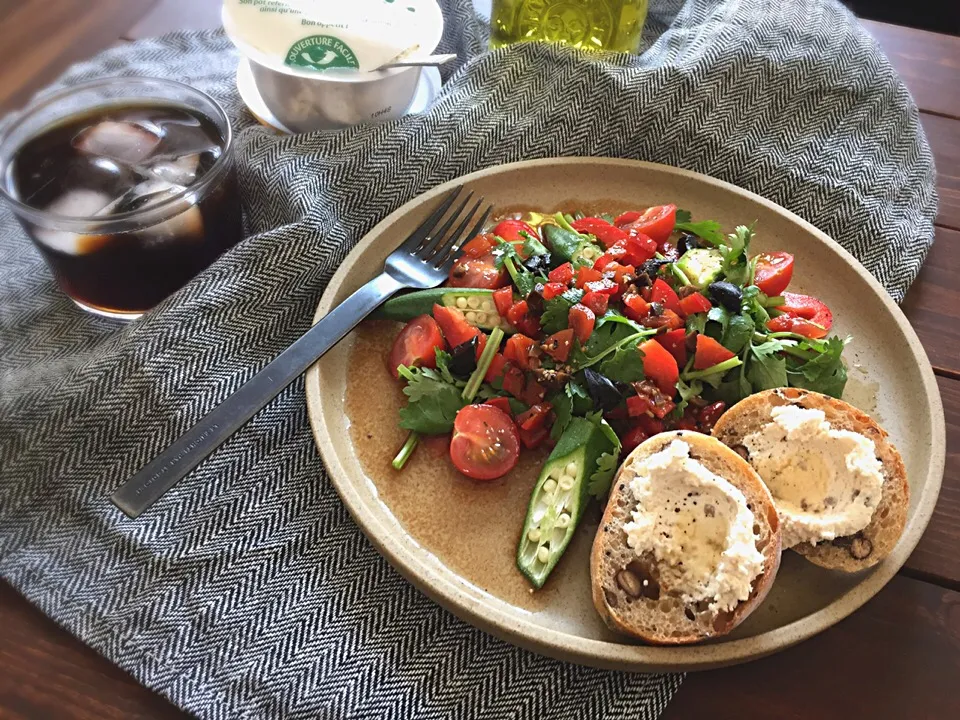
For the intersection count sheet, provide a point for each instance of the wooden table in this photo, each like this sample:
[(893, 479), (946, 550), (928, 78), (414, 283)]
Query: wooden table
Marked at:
[(898, 657)]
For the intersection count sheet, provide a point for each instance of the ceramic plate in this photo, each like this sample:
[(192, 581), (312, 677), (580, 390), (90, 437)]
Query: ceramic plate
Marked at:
[(454, 540)]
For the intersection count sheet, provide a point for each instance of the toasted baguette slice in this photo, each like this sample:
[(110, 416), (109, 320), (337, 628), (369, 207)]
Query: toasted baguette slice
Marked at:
[(650, 612), (872, 544)]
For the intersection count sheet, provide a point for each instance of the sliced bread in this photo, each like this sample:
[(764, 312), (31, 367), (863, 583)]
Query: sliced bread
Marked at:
[(627, 588), (868, 546)]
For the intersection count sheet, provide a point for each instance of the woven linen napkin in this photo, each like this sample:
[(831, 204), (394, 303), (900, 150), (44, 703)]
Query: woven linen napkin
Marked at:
[(247, 591)]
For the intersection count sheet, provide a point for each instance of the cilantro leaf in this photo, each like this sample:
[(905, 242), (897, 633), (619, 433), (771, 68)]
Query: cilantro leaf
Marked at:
[(753, 304), (624, 365), (696, 323), (736, 265), (532, 246), (432, 404), (686, 391), (443, 366), (766, 369), (602, 477), (720, 315), (556, 310), (683, 216), (563, 411), (613, 316), (825, 372), (734, 390), (708, 230), (738, 333)]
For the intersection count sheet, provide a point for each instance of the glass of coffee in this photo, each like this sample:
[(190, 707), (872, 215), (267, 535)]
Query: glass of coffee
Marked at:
[(126, 186)]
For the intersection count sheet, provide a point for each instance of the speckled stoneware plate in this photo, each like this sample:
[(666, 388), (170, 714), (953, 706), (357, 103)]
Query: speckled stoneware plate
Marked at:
[(455, 539)]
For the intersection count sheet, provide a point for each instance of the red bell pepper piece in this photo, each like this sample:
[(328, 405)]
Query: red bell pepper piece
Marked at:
[(503, 300), (665, 295), (695, 303), (562, 274), (559, 345), (660, 366), (675, 341), (709, 353)]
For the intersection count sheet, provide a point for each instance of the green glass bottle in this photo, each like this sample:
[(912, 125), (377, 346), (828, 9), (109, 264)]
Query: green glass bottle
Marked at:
[(588, 24)]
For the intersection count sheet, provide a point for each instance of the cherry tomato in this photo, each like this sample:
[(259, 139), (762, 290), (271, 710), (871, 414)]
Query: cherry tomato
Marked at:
[(606, 233), (613, 254), (480, 245), (640, 248), (520, 350), (709, 353), (454, 325), (485, 443), (808, 308), (675, 341), (559, 345), (796, 325), (694, 303), (656, 222), (477, 272), (633, 437), (626, 218), (665, 295), (581, 320), (652, 426), (660, 366), (416, 345), (710, 414), (774, 272), (562, 274), (503, 299), (596, 301), (510, 231)]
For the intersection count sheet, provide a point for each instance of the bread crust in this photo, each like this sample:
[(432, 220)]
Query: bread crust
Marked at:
[(876, 541), (648, 618)]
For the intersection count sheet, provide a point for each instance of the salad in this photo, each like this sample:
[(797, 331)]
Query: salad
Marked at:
[(589, 334)]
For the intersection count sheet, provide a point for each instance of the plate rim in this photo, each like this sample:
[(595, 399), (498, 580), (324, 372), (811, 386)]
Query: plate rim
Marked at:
[(601, 653)]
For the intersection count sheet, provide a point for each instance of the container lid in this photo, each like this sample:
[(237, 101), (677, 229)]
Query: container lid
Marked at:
[(306, 37)]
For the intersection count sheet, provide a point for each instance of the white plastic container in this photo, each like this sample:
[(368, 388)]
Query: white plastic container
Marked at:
[(314, 76)]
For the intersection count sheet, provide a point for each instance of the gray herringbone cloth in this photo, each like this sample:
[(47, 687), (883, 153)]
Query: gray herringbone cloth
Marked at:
[(248, 591)]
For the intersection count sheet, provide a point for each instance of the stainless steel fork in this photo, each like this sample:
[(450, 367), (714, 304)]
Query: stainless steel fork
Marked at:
[(422, 261)]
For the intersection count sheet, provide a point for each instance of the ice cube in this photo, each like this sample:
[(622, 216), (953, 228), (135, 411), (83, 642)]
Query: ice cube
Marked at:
[(74, 203), (180, 171), (188, 225), (123, 141)]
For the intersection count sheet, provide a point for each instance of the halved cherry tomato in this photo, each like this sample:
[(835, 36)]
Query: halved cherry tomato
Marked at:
[(519, 350), (502, 403), (596, 301), (655, 222), (640, 248), (709, 353), (633, 437), (562, 274), (534, 438), (497, 368), (416, 345), (808, 308), (675, 341), (606, 233), (796, 325), (503, 299), (480, 245), (660, 366), (581, 320), (665, 295), (479, 272), (774, 272), (694, 303), (510, 231), (587, 274), (559, 345), (485, 443), (635, 307), (454, 325), (626, 218), (534, 418), (552, 289)]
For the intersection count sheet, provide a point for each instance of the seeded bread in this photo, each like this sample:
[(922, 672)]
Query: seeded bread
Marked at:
[(872, 544), (626, 591)]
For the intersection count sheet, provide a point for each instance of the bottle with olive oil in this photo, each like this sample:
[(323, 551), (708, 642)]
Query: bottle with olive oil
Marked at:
[(587, 24)]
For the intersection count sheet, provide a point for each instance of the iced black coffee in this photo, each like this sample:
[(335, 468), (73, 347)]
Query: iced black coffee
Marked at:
[(128, 198)]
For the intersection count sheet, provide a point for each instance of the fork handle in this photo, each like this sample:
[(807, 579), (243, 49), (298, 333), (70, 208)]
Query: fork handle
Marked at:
[(191, 448)]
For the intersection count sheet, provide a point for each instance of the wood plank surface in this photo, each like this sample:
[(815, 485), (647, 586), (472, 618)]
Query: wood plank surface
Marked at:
[(932, 304), (937, 558), (943, 134), (929, 64), (897, 658), (47, 673), (41, 39)]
